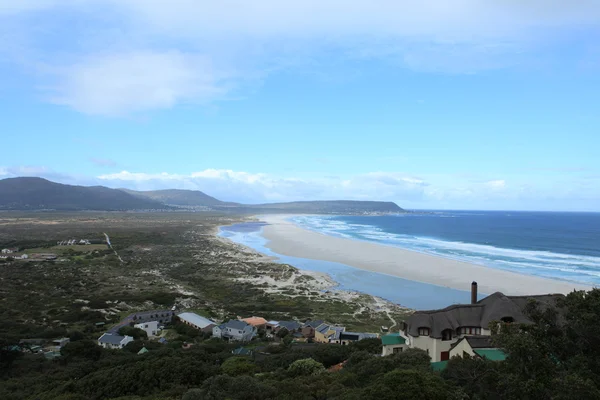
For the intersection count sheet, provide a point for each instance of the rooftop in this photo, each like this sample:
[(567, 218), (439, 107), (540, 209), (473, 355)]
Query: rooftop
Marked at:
[(234, 324), (255, 321), (392, 339), (195, 319), (110, 338), (492, 308), (491, 354)]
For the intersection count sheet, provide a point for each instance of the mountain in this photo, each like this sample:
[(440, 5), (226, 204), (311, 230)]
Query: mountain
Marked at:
[(41, 194), (330, 207), (175, 197)]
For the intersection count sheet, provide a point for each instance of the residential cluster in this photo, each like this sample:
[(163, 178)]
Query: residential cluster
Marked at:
[(48, 348), (235, 330)]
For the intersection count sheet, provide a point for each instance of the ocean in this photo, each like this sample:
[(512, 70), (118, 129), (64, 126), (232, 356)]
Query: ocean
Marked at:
[(563, 246), (555, 245)]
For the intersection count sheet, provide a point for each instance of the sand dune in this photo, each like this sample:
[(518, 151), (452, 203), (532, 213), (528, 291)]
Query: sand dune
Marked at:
[(288, 239)]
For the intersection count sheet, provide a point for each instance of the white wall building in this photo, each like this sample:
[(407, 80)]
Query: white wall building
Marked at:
[(112, 341), (151, 328)]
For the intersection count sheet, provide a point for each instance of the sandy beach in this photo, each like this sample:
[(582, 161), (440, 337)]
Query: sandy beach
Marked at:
[(288, 239)]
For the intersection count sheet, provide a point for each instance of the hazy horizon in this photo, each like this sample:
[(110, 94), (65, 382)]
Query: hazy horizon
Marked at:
[(454, 105)]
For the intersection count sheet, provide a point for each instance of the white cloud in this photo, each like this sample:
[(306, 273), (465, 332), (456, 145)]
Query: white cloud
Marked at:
[(120, 84), (496, 184), (127, 56), (243, 186)]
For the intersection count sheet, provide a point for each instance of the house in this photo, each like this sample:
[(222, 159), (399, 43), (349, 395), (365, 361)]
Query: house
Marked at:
[(291, 326), (308, 329), (235, 330), (436, 331), (392, 343), (350, 337), (326, 333), (10, 250), (271, 326), (257, 322), (477, 346), (276, 326), (151, 328), (60, 342), (162, 340), (112, 341), (197, 321)]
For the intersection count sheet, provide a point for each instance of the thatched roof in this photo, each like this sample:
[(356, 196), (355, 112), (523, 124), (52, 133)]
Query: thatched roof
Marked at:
[(495, 307)]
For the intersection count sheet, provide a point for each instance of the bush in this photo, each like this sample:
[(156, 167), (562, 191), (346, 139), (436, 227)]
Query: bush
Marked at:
[(306, 367)]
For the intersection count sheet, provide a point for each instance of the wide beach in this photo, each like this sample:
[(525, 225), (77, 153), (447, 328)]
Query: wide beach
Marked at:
[(286, 238)]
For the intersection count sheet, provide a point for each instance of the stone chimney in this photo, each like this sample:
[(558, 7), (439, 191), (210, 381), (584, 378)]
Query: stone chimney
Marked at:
[(473, 292)]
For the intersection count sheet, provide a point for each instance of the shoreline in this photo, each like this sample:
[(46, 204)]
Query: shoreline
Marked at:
[(318, 281), (286, 238)]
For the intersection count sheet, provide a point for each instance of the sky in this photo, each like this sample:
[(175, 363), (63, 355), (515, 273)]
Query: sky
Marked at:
[(439, 104)]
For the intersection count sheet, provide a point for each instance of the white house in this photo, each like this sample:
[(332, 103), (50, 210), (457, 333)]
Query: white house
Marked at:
[(235, 330), (151, 328), (392, 343), (436, 331), (113, 341)]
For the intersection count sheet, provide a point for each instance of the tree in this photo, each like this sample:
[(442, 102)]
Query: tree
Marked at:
[(136, 333), (305, 367), (235, 366), (85, 349), (372, 345)]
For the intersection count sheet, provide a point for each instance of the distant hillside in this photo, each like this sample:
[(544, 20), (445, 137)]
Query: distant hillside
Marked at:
[(41, 194), (330, 207), (187, 198)]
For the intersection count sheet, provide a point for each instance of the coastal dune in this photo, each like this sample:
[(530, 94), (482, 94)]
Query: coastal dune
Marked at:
[(288, 239)]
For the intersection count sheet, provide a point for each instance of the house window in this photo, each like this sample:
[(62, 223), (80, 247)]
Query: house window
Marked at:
[(508, 320), (470, 330), (397, 350), (447, 334), (423, 331)]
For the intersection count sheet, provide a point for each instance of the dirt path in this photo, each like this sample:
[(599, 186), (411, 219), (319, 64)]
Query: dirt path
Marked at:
[(110, 245)]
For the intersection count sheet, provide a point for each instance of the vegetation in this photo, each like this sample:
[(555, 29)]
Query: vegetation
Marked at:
[(555, 358)]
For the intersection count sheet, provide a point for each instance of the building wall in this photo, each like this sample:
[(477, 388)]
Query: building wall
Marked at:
[(462, 347), (217, 332), (321, 338), (389, 349), (151, 328)]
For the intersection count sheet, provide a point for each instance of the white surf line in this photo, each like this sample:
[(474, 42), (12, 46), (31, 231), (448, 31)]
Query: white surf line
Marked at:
[(110, 245)]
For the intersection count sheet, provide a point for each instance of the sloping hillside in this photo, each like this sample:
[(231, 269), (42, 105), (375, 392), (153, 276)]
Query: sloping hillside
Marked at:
[(41, 194)]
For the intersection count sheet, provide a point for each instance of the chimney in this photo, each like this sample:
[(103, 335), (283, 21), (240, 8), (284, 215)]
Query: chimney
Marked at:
[(473, 292)]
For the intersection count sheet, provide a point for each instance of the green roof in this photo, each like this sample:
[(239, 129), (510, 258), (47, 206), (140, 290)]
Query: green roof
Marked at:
[(439, 366), (143, 350), (491, 354), (241, 351), (392, 338)]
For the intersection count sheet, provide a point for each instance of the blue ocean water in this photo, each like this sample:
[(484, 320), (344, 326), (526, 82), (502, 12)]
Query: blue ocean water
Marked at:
[(563, 246), (407, 293)]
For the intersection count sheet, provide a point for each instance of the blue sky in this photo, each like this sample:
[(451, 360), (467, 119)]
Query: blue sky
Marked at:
[(456, 104)]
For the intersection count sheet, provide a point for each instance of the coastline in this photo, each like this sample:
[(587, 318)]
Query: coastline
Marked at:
[(298, 282), (286, 238)]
